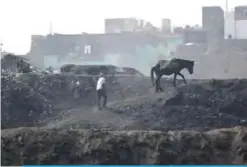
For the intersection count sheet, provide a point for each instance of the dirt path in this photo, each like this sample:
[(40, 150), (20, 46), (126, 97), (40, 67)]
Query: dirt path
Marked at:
[(106, 119), (86, 117)]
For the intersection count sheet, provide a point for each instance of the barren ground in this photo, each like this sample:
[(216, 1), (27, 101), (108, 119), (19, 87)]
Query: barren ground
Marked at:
[(186, 120)]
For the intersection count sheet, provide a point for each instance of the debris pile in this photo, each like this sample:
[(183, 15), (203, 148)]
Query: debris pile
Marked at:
[(21, 105), (213, 104), (30, 98), (26, 98), (33, 146), (37, 94), (202, 105)]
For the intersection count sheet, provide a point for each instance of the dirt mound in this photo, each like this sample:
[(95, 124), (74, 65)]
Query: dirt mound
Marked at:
[(133, 105), (200, 105), (42, 146), (28, 97), (21, 105)]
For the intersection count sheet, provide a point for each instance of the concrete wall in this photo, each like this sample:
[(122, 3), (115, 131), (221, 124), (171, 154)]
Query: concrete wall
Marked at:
[(120, 47), (145, 56), (51, 61)]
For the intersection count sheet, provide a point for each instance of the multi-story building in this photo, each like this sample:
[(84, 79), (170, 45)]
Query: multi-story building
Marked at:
[(166, 26), (54, 50), (213, 22), (195, 36), (241, 22), (229, 25), (236, 23), (118, 25)]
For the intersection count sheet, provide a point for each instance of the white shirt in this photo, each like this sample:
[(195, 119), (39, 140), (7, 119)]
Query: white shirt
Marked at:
[(100, 83)]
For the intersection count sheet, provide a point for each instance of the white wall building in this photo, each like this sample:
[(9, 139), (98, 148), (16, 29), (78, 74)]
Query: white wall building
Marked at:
[(236, 23), (229, 24), (241, 29), (241, 22)]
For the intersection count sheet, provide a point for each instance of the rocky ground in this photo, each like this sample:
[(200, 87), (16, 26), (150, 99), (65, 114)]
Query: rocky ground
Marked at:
[(42, 146), (123, 132)]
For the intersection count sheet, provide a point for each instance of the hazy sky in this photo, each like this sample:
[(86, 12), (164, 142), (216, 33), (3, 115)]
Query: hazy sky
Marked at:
[(21, 18)]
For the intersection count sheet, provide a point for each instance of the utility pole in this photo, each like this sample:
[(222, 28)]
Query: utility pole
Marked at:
[(51, 29), (1, 45), (227, 68), (226, 6), (226, 16)]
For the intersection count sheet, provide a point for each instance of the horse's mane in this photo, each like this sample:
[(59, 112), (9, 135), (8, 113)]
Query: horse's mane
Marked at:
[(189, 61), (176, 59), (184, 61)]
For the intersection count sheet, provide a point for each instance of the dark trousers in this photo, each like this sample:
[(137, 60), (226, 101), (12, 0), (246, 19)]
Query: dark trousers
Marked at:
[(101, 94)]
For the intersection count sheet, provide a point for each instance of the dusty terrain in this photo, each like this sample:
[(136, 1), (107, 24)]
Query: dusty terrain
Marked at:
[(40, 146), (185, 119)]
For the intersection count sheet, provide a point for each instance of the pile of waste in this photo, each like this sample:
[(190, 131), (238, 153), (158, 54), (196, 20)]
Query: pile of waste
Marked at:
[(200, 105), (27, 97), (214, 104), (21, 105), (33, 146)]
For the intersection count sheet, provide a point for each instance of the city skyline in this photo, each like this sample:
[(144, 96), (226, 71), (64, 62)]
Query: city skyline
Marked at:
[(21, 19)]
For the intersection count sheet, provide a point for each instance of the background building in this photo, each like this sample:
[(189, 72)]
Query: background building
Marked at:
[(192, 35), (213, 22), (229, 25), (118, 25), (166, 26), (241, 22)]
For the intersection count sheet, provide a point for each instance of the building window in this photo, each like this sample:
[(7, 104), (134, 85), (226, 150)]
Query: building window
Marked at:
[(87, 49)]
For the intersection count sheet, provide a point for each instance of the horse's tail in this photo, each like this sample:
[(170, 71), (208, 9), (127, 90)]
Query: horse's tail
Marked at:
[(152, 74)]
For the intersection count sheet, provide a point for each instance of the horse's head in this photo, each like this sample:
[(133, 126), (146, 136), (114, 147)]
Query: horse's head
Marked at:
[(190, 66)]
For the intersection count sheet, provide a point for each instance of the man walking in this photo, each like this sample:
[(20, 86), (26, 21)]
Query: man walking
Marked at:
[(101, 91)]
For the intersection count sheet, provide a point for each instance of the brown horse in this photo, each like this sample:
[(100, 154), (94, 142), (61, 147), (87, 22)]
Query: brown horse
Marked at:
[(169, 67)]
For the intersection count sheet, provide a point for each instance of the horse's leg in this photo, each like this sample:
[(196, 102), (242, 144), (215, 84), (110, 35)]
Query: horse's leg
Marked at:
[(156, 85), (160, 88), (181, 75), (174, 79)]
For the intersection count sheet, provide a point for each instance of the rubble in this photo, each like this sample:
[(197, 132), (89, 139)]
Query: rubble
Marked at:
[(21, 105), (15, 63), (45, 93), (123, 133), (200, 105), (34, 146)]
